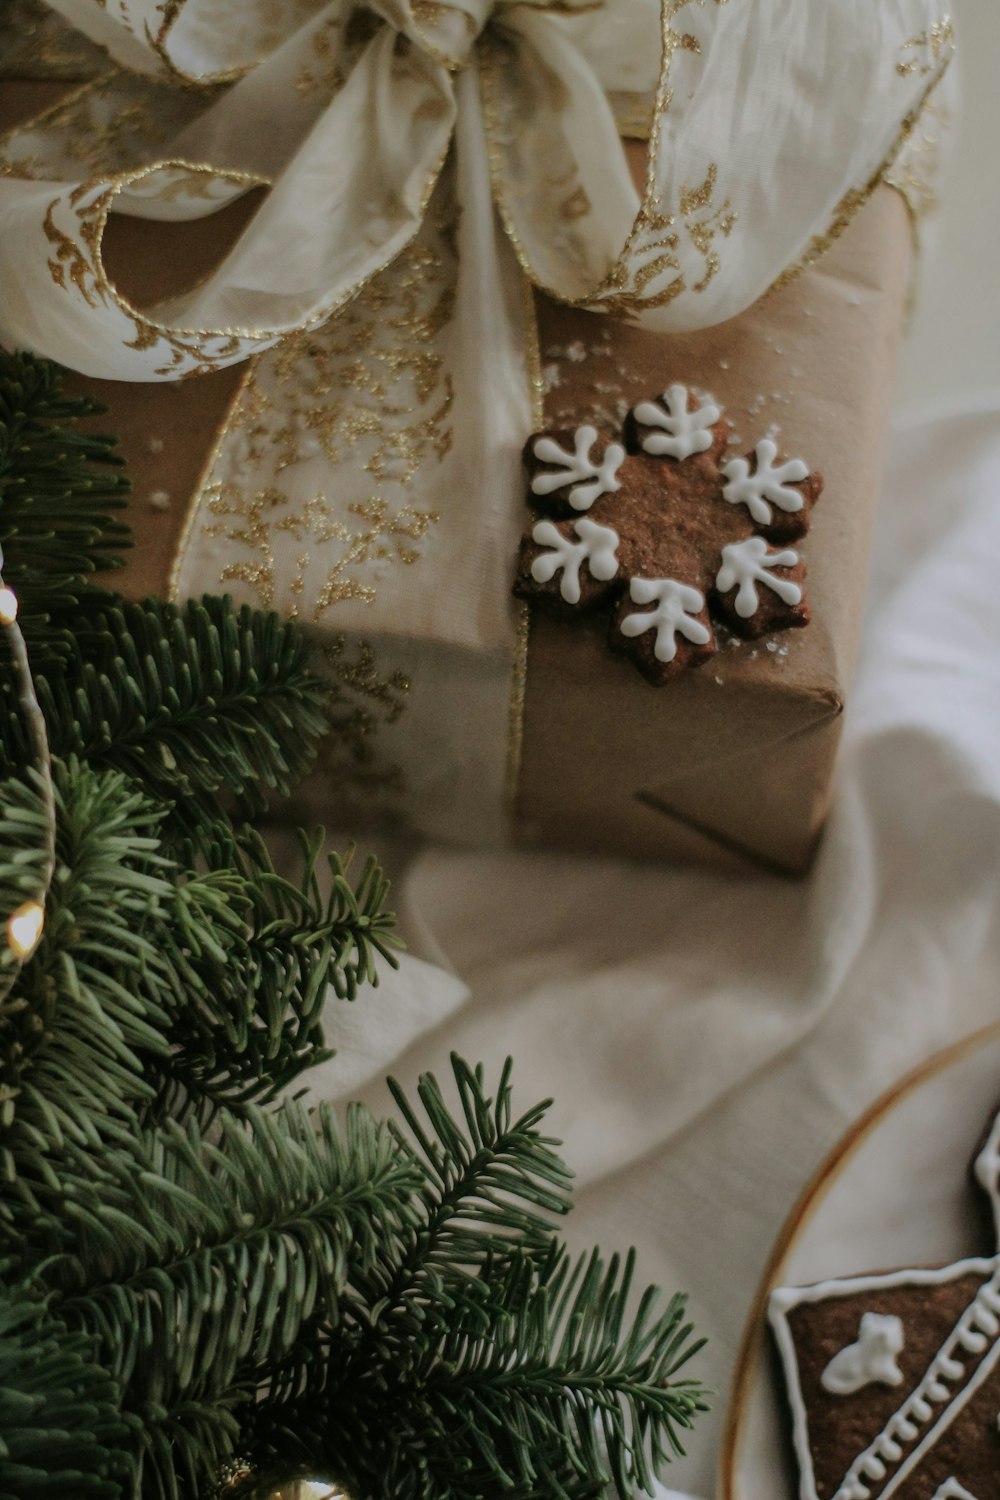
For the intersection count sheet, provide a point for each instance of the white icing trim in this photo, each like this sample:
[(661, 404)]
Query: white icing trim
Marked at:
[(676, 604), (785, 1299), (749, 563), (767, 483), (597, 547), (987, 1172), (869, 1361), (578, 466), (982, 1374), (972, 1334), (678, 432), (952, 1490)]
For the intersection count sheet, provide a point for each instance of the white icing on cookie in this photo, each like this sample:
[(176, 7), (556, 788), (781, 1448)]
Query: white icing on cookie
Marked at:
[(678, 432), (987, 1170), (578, 466), (952, 1490), (749, 563), (676, 604), (965, 1361), (869, 1361), (597, 547), (767, 483)]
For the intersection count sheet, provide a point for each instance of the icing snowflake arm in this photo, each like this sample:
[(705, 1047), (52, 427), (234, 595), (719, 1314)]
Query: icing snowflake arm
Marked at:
[(583, 556), (777, 495), (674, 426), (764, 598), (573, 475), (674, 634)]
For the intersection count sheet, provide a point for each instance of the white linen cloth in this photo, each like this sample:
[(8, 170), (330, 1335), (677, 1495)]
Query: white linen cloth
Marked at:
[(707, 1040)]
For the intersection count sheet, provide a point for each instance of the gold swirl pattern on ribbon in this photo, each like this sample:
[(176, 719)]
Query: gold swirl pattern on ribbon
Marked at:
[(923, 54)]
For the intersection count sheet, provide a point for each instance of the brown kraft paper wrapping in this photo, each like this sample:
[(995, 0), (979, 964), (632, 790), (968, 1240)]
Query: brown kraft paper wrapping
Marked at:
[(735, 758), (733, 761)]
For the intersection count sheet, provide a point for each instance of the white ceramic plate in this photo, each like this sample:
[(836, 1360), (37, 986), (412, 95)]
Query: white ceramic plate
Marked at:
[(896, 1192)]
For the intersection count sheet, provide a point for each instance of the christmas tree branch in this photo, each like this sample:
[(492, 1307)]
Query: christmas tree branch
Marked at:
[(499, 1364), (61, 1426), (59, 488), (195, 704), (184, 1275)]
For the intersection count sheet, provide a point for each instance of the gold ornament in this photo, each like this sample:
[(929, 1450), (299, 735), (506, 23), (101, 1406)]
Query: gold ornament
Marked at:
[(242, 1481)]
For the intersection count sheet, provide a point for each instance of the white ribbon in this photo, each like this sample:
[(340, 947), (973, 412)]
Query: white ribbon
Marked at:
[(764, 116)]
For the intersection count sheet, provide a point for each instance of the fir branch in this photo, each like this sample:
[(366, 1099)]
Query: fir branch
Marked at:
[(251, 1021), (182, 1275), (195, 704), (62, 1432), (151, 994), (492, 1184), (489, 1189), (85, 1005), (283, 1202), (59, 488), (197, 1263), (498, 1365), (557, 1397)]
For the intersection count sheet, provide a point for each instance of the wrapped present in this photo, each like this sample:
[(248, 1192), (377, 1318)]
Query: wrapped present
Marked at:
[(335, 263)]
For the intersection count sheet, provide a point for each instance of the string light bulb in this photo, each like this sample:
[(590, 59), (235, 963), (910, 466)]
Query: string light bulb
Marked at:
[(24, 928)]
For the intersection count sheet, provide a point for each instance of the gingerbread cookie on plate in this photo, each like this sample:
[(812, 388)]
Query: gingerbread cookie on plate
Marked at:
[(894, 1379)]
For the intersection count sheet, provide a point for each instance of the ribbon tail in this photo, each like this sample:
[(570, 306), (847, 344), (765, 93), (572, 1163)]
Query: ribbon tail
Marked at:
[(369, 481), (490, 350)]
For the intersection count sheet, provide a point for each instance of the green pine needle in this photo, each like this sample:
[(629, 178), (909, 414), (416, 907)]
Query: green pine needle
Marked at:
[(497, 1364), (62, 1431), (59, 490), (194, 703)]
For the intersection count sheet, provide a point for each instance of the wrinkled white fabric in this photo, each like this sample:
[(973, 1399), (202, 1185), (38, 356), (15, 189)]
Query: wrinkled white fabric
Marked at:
[(707, 1040)]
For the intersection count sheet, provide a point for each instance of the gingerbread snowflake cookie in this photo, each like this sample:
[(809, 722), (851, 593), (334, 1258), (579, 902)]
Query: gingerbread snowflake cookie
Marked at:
[(894, 1379), (668, 529)]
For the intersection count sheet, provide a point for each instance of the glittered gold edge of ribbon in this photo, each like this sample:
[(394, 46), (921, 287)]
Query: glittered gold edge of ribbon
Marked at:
[(919, 192), (855, 199), (150, 330), (197, 496), (519, 675), (649, 129), (183, 340)]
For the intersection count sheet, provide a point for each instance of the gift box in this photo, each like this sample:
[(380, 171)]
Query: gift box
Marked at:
[(348, 449)]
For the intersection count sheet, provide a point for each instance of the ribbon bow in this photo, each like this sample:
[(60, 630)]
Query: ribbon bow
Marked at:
[(760, 118)]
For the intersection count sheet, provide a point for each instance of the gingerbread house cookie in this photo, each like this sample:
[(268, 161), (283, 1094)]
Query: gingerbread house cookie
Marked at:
[(894, 1379)]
